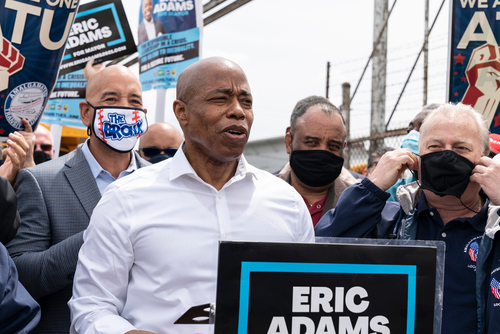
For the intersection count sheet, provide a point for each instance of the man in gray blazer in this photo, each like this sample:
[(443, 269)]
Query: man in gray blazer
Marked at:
[(56, 198)]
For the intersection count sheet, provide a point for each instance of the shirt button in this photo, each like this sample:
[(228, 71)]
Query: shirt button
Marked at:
[(218, 196), (443, 234), (431, 213), (318, 206), (224, 235)]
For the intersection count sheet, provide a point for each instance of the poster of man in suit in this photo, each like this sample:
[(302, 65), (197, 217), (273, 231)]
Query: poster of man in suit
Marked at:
[(169, 37), (149, 27)]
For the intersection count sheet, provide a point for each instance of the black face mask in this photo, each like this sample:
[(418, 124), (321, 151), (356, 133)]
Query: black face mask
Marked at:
[(40, 156), (445, 173), (159, 158), (316, 168)]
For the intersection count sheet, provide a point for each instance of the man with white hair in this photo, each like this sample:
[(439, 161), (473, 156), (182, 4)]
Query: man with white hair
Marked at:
[(456, 201)]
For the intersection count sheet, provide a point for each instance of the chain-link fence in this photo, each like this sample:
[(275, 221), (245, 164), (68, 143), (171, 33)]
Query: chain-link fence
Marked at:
[(358, 149)]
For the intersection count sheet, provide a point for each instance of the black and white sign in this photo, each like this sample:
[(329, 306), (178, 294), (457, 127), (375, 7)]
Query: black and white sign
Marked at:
[(100, 31), (325, 288)]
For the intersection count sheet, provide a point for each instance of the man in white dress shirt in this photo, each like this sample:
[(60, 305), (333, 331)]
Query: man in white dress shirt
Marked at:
[(150, 252)]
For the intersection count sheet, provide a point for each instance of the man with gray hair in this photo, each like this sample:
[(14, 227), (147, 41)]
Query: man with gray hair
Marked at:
[(455, 201), (315, 141)]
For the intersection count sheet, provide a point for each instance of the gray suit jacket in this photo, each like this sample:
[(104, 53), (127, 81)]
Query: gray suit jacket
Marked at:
[(55, 201)]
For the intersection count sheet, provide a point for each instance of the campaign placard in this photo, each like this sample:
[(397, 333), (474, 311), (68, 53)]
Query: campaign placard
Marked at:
[(100, 31), (326, 288), (474, 58), (64, 104), (169, 40), (33, 37)]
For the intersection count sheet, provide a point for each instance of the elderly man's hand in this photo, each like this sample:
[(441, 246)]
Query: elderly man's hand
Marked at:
[(487, 174), (91, 69), (29, 136), (391, 167), (16, 156)]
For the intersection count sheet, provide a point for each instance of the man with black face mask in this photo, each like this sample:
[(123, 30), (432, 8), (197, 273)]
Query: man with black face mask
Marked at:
[(315, 141), (57, 198), (455, 201)]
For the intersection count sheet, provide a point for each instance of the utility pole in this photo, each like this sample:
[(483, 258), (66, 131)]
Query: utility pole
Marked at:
[(345, 109), (327, 78), (379, 73), (426, 49)]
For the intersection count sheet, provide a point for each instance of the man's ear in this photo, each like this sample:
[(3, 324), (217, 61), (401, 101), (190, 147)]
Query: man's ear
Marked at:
[(86, 113), (288, 141), (180, 112)]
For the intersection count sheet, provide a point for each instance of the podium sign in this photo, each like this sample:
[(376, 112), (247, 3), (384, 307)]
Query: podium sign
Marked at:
[(325, 288)]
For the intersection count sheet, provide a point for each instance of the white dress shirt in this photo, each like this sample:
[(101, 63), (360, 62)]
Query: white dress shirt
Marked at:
[(102, 177), (150, 28), (151, 248)]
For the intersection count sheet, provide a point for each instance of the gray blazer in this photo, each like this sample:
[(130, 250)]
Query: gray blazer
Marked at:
[(55, 201)]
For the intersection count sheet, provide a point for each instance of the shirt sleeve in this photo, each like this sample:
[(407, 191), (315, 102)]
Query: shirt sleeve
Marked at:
[(102, 272), (305, 225), (361, 212), (19, 313), (43, 268)]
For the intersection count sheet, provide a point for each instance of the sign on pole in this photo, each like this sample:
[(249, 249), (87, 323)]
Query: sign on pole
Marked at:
[(32, 41), (63, 106), (474, 58), (290, 288), (169, 40), (101, 31)]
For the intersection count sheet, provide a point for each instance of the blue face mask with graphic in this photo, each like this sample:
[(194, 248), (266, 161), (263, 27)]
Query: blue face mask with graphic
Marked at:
[(119, 127), (411, 141)]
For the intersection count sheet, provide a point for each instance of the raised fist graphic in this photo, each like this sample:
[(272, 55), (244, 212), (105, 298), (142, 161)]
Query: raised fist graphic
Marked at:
[(11, 61)]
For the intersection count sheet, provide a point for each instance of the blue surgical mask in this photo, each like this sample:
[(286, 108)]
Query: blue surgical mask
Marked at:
[(411, 141)]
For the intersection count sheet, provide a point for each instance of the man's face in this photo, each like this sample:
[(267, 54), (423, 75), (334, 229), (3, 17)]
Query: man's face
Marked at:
[(452, 133), (158, 140), (43, 142), (147, 9), (219, 116), (317, 130), (113, 86)]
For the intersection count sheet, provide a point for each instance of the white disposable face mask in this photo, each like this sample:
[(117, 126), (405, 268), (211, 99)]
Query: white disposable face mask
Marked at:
[(119, 127)]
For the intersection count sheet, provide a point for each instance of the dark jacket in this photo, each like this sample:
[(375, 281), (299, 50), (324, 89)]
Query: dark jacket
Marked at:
[(344, 180), (55, 201), (362, 211)]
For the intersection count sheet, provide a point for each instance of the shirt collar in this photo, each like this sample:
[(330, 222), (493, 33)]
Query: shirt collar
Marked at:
[(96, 168), (478, 221), (180, 166)]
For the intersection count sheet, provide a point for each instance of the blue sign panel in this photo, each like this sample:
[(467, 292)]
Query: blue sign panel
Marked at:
[(64, 104), (32, 43), (169, 41)]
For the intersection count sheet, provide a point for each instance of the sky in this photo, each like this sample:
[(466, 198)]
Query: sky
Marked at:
[(284, 46)]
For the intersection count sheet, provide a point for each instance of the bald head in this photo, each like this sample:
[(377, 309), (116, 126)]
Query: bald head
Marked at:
[(200, 74), (117, 73), (160, 135), (44, 141)]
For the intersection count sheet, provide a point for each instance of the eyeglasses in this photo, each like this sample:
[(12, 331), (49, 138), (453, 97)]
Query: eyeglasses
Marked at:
[(373, 164), (43, 147), (152, 151)]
